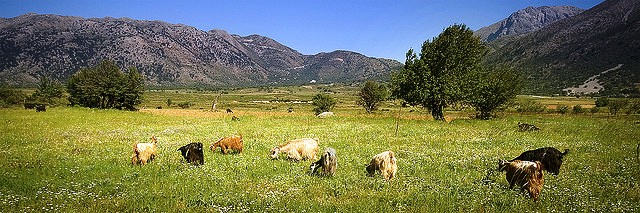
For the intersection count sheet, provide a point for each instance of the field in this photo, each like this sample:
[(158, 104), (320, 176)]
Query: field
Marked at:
[(78, 159)]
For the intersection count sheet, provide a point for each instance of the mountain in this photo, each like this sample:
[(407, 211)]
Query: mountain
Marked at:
[(598, 46), (33, 45), (526, 20)]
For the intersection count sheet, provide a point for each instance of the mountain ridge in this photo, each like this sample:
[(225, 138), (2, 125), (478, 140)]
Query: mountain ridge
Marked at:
[(526, 20), (570, 51), (36, 45)]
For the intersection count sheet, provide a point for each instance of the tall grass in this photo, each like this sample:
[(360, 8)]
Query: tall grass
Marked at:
[(76, 159)]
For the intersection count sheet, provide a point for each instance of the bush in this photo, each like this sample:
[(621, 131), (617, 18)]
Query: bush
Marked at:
[(185, 104), (323, 103), (594, 110), (562, 109), (169, 102), (602, 102), (10, 96), (633, 107), (106, 87), (616, 105), (530, 106), (577, 109), (371, 95)]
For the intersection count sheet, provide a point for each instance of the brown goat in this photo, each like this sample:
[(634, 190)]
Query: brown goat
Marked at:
[(384, 162), (526, 174), (298, 149), (226, 143), (144, 152)]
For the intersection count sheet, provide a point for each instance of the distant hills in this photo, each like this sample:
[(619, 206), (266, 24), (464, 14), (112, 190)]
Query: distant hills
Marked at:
[(33, 45), (597, 50)]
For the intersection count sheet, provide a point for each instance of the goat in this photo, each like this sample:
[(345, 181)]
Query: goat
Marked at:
[(144, 152), (384, 162), (325, 115), (328, 162), (226, 143), (193, 153), (298, 149), (234, 118), (526, 174), (527, 127), (551, 158), (41, 108), (229, 110)]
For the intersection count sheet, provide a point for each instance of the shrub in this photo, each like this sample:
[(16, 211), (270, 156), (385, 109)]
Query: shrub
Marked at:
[(105, 86), (602, 102), (594, 110), (371, 95), (169, 102), (562, 109), (323, 103), (577, 109), (185, 104), (616, 105), (633, 107), (530, 106), (10, 96)]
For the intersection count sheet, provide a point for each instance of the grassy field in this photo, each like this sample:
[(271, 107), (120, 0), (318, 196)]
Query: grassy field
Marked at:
[(77, 159)]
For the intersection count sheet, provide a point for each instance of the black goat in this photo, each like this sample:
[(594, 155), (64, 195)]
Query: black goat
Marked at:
[(193, 153), (551, 158)]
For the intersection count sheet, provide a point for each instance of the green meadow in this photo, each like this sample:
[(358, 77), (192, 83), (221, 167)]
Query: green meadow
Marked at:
[(71, 159)]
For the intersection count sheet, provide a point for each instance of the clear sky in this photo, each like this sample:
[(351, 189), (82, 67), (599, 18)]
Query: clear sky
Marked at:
[(377, 28)]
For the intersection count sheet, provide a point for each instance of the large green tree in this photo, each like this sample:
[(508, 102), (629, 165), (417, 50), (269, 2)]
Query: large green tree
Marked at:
[(322, 103), (105, 86), (441, 74), (371, 95), (492, 89), (49, 92)]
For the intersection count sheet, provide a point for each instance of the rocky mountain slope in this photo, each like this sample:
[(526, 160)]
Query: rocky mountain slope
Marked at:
[(578, 49), (526, 20), (33, 45)]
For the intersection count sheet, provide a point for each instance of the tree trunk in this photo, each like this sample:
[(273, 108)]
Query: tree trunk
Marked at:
[(437, 113)]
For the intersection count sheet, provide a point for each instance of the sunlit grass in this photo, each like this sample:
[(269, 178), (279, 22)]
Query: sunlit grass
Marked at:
[(76, 159)]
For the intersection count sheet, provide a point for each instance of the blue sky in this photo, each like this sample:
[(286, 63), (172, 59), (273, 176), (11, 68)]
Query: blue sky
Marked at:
[(377, 28)]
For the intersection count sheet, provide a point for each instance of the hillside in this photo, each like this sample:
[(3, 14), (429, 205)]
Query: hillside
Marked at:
[(526, 20), (167, 54), (600, 44)]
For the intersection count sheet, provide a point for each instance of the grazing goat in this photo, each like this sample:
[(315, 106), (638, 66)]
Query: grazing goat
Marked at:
[(526, 174), (328, 162), (527, 127), (144, 152), (234, 118), (233, 143), (326, 115), (229, 110), (298, 149), (551, 158), (41, 108), (384, 162), (193, 153)]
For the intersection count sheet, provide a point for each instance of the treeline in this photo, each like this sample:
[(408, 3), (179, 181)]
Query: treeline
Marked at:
[(103, 86)]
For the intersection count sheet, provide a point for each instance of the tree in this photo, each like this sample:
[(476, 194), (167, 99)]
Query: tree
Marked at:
[(49, 92), (442, 73), (105, 86), (493, 89), (323, 103), (371, 95), (10, 96)]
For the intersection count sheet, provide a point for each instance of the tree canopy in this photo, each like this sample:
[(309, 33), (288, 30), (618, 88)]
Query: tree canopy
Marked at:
[(441, 74), (371, 95), (104, 86)]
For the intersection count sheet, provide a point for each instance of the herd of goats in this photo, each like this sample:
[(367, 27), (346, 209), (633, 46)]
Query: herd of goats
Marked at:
[(524, 170)]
